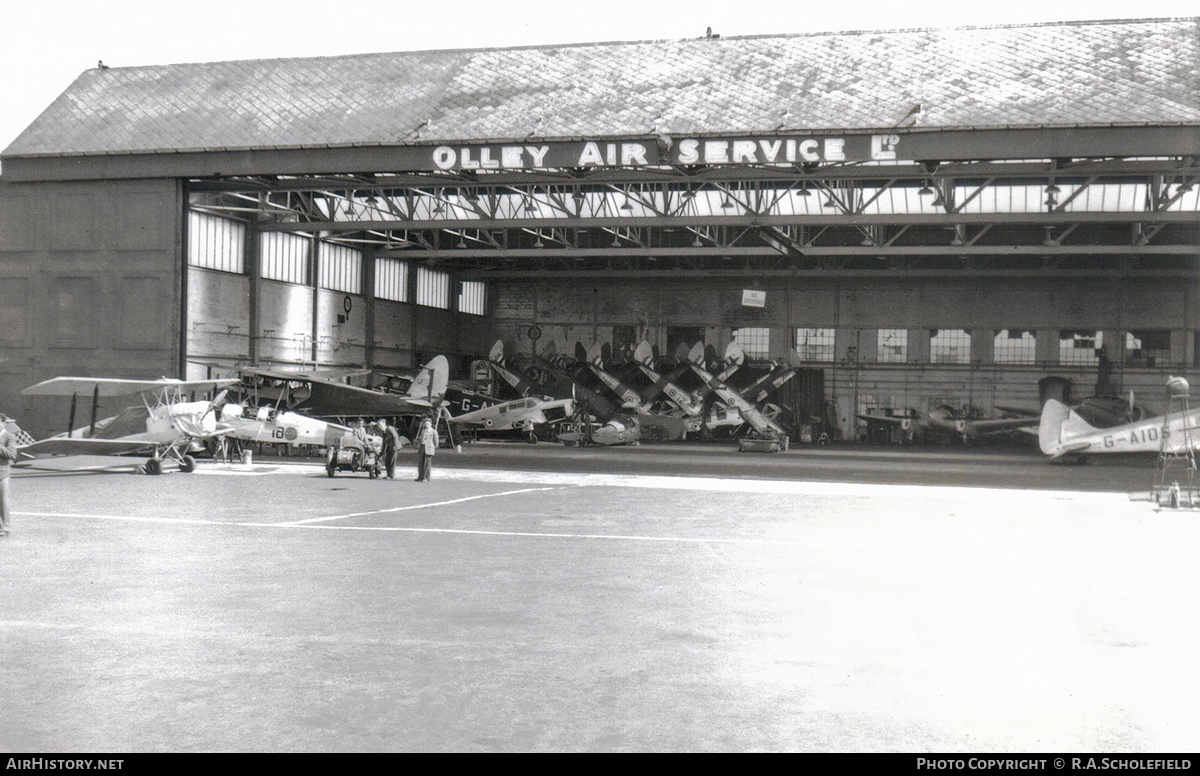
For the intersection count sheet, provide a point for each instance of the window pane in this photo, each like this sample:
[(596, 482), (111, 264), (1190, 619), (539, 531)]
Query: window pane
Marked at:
[(216, 243), (892, 346), (284, 257), (471, 295), (391, 279), (433, 288), (1015, 346), (756, 341), (814, 344), (949, 346), (1080, 347), (1148, 347), (341, 268)]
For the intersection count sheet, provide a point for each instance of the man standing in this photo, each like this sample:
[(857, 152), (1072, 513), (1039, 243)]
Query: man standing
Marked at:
[(427, 442), (391, 443), (8, 454)]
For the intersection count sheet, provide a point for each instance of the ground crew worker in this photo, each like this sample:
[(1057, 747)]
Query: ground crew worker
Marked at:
[(427, 444), (8, 454), (391, 444)]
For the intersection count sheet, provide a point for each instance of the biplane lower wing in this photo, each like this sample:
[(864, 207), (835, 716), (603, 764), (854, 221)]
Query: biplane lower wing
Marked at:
[(66, 446)]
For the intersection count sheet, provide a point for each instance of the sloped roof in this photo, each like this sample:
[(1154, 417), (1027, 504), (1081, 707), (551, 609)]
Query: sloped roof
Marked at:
[(1069, 74)]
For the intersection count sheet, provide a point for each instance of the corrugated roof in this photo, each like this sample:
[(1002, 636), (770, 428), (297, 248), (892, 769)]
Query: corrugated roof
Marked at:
[(1069, 74)]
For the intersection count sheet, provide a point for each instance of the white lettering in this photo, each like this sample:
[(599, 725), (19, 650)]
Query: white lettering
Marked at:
[(834, 149), (808, 151), (743, 151), (633, 153), (486, 160), (770, 149), (884, 146), (590, 155), (687, 151), (444, 157), (791, 150), (716, 151), (510, 156), (538, 153), (467, 162), (610, 154)]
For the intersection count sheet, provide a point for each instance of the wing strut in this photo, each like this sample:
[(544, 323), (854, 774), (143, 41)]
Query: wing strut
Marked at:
[(71, 420), (95, 403)]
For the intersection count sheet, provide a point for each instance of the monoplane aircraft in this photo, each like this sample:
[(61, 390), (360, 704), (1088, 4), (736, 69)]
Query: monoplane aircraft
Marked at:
[(950, 423), (164, 425), (321, 396), (525, 415), (1063, 431)]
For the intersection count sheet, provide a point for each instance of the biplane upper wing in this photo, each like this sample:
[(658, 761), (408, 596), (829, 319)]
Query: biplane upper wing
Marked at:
[(113, 386), (331, 398)]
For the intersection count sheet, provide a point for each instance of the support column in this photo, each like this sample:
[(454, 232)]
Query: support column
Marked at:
[(254, 275), (368, 288)]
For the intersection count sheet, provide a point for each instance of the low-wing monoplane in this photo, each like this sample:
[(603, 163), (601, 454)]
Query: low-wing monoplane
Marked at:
[(164, 425), (1063, 431), (321, 396), (759, 421), (950, 423), (525, 415)]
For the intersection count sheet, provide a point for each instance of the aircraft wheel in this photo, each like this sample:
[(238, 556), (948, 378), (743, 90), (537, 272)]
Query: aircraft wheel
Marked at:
[(187, 465), (154, 466), (372, 472), (532, 438), (330, 467)]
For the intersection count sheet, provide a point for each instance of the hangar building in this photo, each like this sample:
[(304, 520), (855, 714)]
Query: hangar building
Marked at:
[(932, 215)]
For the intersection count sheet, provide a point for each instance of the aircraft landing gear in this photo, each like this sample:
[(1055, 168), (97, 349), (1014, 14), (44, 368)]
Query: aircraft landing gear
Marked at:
[(532, 438), (331, 467), (187, 464), (153, 466)]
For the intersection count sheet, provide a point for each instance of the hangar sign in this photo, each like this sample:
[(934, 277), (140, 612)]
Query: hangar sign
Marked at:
[(790, 149)]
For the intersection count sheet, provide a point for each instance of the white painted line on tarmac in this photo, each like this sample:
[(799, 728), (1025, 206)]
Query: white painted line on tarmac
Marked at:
[(313, 520), (536, 535), (129, 518)]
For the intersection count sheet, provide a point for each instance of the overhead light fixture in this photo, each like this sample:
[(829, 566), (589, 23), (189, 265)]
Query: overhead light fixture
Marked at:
[(616, 243), (804, 192), (697, 242), (1052, 188), (689, 194), (539, 243), (625, 205), (727, 203), (926, 189)]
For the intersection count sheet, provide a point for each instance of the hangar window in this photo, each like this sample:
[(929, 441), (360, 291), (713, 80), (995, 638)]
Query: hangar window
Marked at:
[(1147, 347), (471, 296), (391, 279), (814, 344), (216, 243), (624, 339), (892, 346), (754, 340), (1015, 346), (949, 346), (341, 268), (1081, 347), (433, 288), (284, 257)]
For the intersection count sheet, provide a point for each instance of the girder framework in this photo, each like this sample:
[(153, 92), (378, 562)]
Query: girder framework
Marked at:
[(1063, 215)]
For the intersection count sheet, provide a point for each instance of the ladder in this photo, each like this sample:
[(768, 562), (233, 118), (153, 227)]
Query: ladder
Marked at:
[(1175, 483)]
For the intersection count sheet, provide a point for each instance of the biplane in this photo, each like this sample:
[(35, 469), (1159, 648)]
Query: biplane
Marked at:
[(164, 425)]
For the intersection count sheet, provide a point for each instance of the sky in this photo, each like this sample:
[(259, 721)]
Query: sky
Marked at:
[(48, 44)]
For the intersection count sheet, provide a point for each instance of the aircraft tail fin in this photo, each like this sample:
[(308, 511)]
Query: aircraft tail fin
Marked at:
[(430, 383), (1060, 424)]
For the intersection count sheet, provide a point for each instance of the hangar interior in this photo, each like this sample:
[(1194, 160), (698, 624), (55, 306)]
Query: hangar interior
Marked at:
[(924, 216)]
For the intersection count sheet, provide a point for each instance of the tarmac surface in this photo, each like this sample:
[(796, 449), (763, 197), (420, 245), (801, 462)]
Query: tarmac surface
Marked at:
[(657, 598)]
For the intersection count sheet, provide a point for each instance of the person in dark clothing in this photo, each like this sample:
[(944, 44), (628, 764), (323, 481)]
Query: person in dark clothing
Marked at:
[(391, 446)]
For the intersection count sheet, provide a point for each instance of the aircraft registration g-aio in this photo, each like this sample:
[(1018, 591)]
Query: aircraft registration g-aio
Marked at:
[(164, 425), (1063, 431)]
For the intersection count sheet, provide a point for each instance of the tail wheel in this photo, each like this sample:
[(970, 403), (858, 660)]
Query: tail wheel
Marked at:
[(532, 438), (154, 466)]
